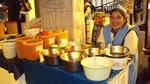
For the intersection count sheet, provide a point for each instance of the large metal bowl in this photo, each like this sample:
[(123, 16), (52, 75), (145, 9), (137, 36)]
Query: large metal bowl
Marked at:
[(52, 59), (93, 51), (72, 61), (116, 51), (119, 49)]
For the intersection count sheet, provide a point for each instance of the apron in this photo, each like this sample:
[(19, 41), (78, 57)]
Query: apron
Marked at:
[(118, 40)]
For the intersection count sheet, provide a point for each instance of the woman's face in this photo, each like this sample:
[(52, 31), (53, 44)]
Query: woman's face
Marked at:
[(116, 20)]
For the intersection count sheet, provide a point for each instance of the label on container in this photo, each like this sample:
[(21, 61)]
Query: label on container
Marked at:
[(63, 42), (38, 48), (51, 40)]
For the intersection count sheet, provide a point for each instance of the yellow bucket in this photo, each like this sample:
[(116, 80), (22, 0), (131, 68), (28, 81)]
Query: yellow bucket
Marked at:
[(2, 32), (12, 27), (61, 37)]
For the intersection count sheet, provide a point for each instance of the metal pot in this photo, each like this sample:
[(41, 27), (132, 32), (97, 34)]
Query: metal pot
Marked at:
[(72, 61), (117, 51), (52, 59), (93, 51)]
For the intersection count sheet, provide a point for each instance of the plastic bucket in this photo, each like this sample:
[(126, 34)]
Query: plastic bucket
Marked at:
[(20, 47), (12, 27), (97, 68), (2, 32), (9, 49), (32, 49), (48, 40)]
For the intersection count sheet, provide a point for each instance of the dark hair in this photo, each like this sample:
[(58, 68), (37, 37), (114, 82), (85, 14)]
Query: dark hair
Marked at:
[(91, 6), (121, 12)]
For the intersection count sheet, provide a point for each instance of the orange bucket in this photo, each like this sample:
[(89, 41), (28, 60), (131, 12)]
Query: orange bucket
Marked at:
[(62, 38), (2, 31), (12, 27), (32, 49), (48, 40), (19, 46)]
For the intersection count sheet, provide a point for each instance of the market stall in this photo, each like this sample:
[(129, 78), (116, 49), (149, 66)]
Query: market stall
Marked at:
[(38, 72), (37, 45)]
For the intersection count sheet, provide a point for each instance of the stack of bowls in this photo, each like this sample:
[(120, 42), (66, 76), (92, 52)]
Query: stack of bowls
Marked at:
[(119, 54)]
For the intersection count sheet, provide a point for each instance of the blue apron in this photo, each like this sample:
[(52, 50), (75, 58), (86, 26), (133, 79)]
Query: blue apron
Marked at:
[(118, 40)]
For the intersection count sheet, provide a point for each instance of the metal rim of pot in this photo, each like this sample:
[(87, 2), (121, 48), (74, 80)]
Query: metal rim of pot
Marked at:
[(62, 58), (117, 55), (91, 54)]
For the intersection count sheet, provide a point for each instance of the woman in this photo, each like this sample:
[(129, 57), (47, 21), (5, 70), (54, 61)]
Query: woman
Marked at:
[(89, 11), (89, 22), (118, 32)]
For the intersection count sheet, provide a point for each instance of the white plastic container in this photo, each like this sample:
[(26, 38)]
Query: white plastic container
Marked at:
[(9, 49), (97, 68), (31, 32), (119, 63)]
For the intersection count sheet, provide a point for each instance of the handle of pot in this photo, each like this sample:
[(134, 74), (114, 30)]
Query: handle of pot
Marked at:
[(82, 55), (131, 61), (130, 55), (60, 50)]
